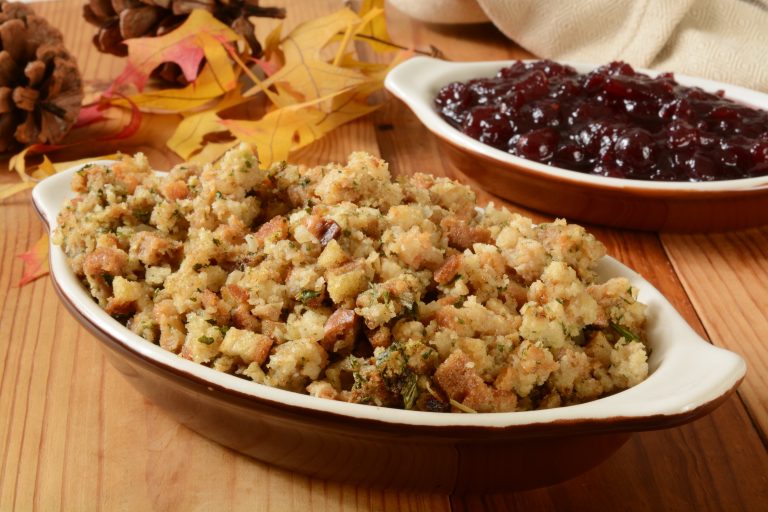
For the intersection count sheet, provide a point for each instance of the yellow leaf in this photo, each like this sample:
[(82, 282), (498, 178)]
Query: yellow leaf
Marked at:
[(35, 261), (374, 30), (202, 91), (271, 47), (10, 189), (44, 170), (18, 162), (309, 38), (217, 59), (304, 68), (189, 135), (213, 151), (314, 79), (271, 135), (290, 128)]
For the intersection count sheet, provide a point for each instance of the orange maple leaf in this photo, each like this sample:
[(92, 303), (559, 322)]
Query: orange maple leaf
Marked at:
[(35, 261)]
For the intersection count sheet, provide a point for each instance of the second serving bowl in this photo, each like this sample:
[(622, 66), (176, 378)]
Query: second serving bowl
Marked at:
[(635, 204)]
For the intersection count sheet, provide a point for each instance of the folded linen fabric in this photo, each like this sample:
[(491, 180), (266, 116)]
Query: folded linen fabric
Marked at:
[(724, 40)]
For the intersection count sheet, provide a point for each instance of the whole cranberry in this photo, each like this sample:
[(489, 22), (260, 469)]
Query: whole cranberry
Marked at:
[(635, 148), (701, 168), (682, 135), (760, 150), (570, 156), (538, 145)]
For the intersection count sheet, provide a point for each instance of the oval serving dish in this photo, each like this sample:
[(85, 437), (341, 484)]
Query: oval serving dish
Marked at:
[(369, 445), (635, 204)]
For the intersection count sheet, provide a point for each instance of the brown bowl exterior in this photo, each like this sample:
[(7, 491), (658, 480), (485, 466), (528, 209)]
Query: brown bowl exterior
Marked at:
[(650, 210)]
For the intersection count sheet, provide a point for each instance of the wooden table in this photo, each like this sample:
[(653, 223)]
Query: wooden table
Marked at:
[(75, 436)]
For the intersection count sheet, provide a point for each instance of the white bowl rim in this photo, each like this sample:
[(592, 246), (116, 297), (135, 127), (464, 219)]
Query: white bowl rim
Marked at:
[(417, 80), (717, 372)]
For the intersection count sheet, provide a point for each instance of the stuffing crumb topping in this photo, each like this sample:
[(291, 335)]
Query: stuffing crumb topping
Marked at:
[(340, 282)]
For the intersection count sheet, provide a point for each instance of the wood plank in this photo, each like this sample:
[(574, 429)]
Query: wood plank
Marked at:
[(726, 277)]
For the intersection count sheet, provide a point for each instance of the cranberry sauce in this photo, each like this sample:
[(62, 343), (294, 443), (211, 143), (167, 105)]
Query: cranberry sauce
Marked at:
[(612, 121)]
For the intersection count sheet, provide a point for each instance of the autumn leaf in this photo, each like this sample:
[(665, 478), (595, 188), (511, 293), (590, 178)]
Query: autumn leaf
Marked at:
[(272, 56), (35, 261), (200, 36), (290, 128), (304, 69), (11, 189), (90, 114), (205, 89), (193, 129), (18, 162)]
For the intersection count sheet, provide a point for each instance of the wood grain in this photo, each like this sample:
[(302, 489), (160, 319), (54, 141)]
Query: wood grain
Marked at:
[(726, 277), (75, 436)]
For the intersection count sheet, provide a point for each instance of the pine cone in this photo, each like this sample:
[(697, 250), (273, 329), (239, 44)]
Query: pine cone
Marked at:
[(40, 85), (125, 19)]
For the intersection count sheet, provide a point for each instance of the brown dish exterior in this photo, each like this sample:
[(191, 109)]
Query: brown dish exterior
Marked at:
[(649, 210)]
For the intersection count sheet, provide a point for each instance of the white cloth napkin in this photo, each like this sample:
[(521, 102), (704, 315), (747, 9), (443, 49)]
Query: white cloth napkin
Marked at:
[(724, 40)]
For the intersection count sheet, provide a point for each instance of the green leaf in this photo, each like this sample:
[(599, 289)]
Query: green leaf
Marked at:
[(624, 332)]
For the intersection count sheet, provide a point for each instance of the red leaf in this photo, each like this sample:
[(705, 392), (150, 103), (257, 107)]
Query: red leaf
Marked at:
[(90, 114), (129, 129)]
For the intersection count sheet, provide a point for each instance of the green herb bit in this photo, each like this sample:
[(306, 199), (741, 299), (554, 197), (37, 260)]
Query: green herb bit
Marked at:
[(624, 332), (409, 390), (305, 296), (413, 310), (108, 278), (206, 340)]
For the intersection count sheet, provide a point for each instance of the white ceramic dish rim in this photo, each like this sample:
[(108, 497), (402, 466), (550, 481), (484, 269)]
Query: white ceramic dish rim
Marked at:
[(676, 385), (417, 81)]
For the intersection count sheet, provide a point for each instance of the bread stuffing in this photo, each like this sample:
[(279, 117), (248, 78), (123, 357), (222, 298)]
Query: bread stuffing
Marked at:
[(343, 283)]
